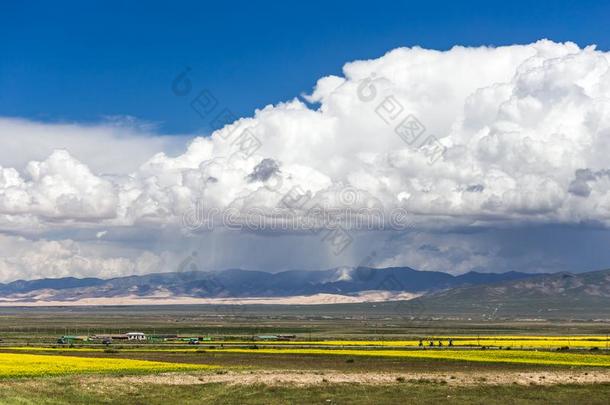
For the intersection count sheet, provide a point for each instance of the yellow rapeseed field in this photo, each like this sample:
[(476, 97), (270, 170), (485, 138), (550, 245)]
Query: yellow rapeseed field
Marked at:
[(34, 365), (542, 342), (525, 342), (489, 356)]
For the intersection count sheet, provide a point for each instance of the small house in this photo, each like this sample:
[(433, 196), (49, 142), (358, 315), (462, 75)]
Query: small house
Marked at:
[(136, 336)]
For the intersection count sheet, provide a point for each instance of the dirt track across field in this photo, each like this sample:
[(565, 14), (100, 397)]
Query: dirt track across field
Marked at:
[(301, 378)]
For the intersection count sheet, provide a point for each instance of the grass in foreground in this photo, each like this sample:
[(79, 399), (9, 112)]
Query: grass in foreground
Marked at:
[(73, 391), (32, 365)]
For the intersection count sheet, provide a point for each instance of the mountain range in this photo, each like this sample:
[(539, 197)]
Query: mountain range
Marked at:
[(235, 283), (426, 293)]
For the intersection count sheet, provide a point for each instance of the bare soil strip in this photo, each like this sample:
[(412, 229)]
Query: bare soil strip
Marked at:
[(303, 378)]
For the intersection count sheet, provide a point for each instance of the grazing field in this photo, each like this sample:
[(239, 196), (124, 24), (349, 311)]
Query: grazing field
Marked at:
[(337, 357)]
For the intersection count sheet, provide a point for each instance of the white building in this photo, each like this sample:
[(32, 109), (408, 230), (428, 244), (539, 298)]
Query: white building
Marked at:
[(136, 336)]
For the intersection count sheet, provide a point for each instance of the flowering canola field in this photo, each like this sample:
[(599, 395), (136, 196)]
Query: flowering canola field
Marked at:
[(513, 341), (488, 356), (34, 365), (467, 341)]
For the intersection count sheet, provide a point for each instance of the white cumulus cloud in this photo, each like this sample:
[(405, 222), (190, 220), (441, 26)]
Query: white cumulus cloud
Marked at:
[(469, 137)]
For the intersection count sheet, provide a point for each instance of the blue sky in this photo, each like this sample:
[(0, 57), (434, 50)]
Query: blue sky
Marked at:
[(73, 62)]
